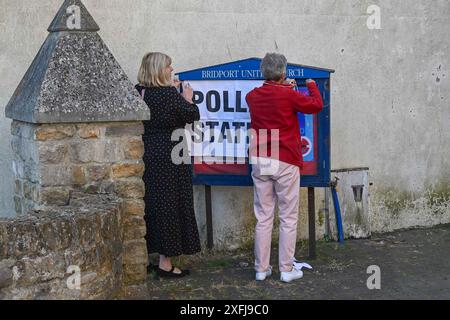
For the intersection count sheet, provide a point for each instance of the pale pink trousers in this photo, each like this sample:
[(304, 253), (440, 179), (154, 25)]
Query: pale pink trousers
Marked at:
[(275, 180)]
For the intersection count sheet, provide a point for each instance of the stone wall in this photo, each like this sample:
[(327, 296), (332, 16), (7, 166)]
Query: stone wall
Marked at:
[(52, 161), (38, 250), (77, 127)]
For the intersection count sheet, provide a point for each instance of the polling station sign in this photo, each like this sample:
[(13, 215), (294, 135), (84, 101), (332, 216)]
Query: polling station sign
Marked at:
[(219, 142)]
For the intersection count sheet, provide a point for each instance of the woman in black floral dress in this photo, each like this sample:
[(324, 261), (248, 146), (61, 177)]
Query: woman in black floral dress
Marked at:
[(169, 212)]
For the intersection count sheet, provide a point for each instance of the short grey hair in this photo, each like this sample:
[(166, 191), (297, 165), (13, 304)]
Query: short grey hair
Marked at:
[(273, 66)]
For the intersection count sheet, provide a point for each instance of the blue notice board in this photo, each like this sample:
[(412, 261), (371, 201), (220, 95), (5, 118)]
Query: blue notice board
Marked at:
[(220, 155)]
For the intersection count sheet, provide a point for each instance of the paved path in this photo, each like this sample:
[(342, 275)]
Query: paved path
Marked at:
[(414, 264)]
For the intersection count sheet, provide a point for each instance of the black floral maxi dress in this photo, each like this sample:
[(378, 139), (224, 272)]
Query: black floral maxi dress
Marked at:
[(169, 211)]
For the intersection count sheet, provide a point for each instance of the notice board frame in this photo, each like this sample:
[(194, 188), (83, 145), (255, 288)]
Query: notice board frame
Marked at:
[(247, 69)]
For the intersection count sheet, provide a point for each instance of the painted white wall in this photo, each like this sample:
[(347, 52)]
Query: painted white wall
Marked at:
[(390, 92)]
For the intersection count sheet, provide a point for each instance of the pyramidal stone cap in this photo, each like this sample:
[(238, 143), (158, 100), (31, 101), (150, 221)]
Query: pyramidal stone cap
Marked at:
[(75, 78), (66, 18)]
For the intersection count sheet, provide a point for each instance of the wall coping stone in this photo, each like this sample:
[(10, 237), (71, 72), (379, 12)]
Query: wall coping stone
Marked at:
[(75, 78)]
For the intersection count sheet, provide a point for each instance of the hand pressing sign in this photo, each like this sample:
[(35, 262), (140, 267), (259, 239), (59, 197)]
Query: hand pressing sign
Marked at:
[(188, 92)]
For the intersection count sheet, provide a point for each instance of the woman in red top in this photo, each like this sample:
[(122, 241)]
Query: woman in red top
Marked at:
[(277, 159)]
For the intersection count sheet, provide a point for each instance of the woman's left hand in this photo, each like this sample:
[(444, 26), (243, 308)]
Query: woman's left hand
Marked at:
[(176, 82), (188, 92)]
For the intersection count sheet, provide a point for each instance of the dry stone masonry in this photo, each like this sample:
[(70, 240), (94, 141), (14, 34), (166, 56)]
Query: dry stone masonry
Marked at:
[(37, 251), (77, 129)]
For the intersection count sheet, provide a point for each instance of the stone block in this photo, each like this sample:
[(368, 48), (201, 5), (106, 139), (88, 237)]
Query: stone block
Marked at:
[(31, 172), (135, 273), (133, 207), (124, 129), (126, 170), (85, 151), (100, 187), (27, 190), (134, 233), (18, 187), (6, 277), (24, 150), (105, 258), (18, 167), (134, 148), (130, 188), (23, 129), (100, 288), (30, 191), (38, 269), (87, 278), (134, 228), (89, 131), (17, 148), (108, 226), (49, 236), (135, 252), (55, 196), (18, 205), (50, 132), (3, 240), (114, 150), (79, 175), (53, 152), (65, 234), (87, 233), (7, 263), (23, 238), (98, 172), (90, 259), (73, 256), (55, 175)]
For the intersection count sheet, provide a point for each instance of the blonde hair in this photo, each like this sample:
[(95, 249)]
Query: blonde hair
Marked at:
[(153, 70)]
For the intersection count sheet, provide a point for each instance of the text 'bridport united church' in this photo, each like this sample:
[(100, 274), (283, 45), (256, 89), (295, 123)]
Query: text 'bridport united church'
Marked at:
[(251, 74)]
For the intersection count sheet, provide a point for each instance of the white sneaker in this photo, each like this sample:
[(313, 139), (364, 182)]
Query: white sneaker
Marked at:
[(263, 275), (292, 275)]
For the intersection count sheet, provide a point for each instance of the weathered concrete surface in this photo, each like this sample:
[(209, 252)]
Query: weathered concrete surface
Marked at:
[(413, 264), (389, 93), (354, 214)]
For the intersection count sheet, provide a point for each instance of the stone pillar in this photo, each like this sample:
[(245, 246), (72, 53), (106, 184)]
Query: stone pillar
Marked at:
[(77, 126)]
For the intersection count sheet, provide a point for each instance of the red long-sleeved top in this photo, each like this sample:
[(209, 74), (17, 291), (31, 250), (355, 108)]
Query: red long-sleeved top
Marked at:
[(275, 106)]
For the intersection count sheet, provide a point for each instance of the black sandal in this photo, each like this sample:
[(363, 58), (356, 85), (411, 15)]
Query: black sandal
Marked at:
[(170, 274)]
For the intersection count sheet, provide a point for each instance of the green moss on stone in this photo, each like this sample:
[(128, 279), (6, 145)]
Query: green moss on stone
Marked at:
[(396, 201), (437, 197)]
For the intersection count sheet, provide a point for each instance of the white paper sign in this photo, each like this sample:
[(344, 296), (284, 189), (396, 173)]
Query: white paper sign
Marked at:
[(224, 117)]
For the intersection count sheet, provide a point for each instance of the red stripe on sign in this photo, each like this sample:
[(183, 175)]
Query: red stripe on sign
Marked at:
[(309, 168), (205, 168)]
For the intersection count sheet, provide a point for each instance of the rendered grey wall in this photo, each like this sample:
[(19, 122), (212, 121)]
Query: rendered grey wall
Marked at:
[(390, 92)]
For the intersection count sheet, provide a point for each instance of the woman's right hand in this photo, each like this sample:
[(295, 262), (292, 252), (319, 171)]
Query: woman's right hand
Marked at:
[(188, 93)]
